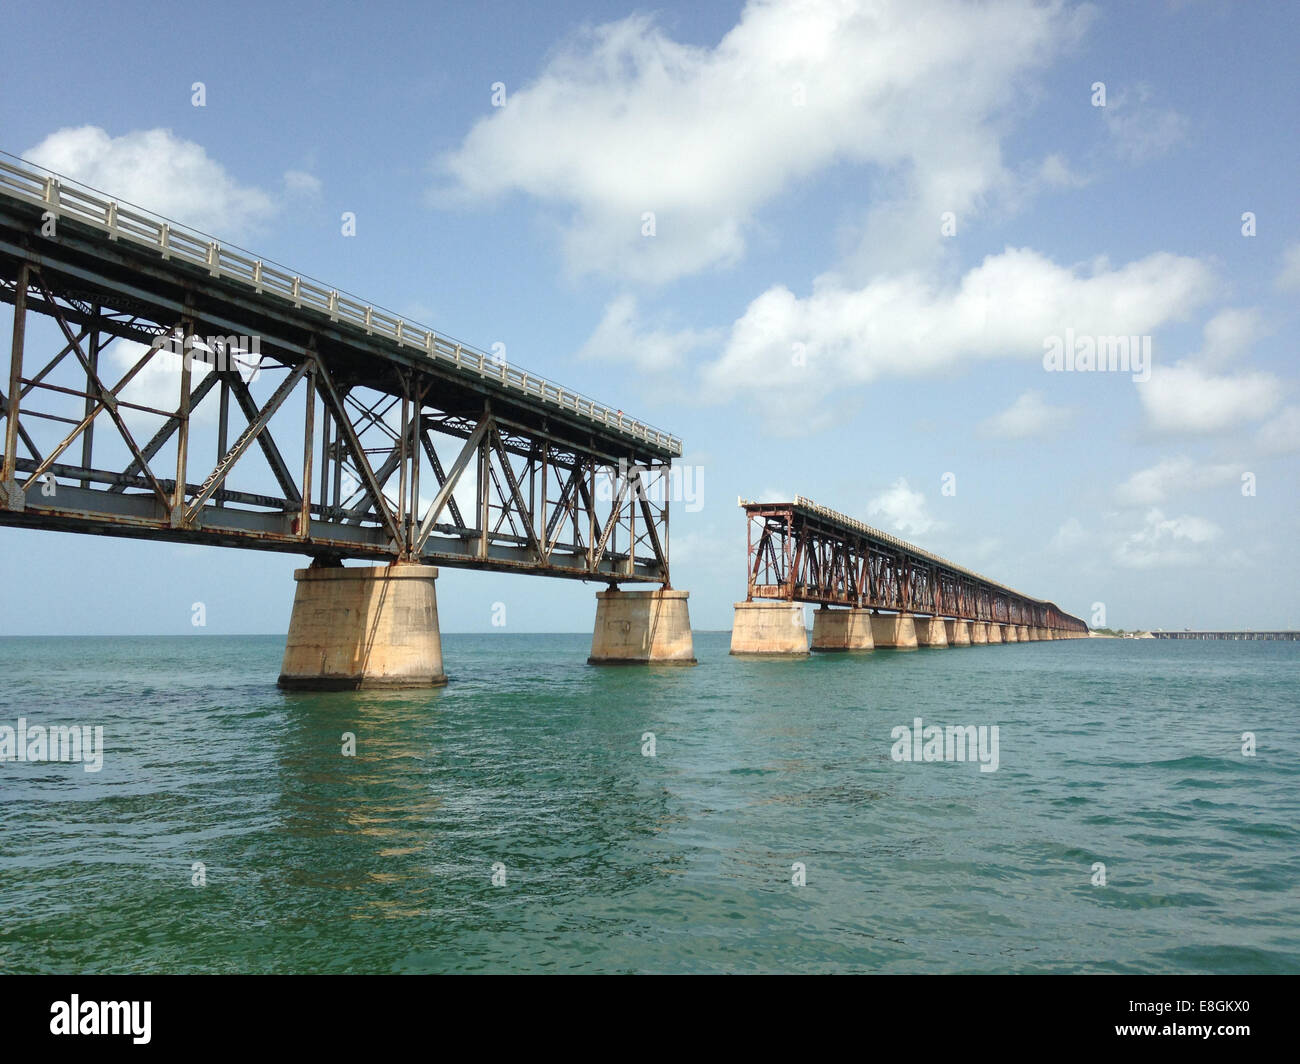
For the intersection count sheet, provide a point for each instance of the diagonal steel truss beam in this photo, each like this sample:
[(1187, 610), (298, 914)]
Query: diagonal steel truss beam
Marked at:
[(331, 396), (255, 428), (458, 467)]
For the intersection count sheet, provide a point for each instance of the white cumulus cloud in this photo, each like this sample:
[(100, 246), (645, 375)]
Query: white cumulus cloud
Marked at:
[(788, 354), (1174, 476), (625, 120), (901, 509), (1281, 434), (1166, 541), (1030, 415), (1185, 399), (159, 171), (1229, 333), (621, 336), (1140, 129), (301, 183), (1069, 537), (1288, 278)]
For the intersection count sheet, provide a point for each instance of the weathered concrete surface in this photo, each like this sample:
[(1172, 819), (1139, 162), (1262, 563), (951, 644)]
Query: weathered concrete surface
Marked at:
[(642, 628), (897, 631), (930, 632), (1010, 634), (1042, 634), (769, 627), (366, 626), (995, 633), (979, 633), (958, 633), (843, 629), (1022, 633)]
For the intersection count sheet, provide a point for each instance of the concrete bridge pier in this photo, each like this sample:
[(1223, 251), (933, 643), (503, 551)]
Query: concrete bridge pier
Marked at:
[(994, 632), (769, 627), (1010, 634), (642, 628), (979, 633), (931, 632), (958, 632), (363, 627), (897, 631), (847, 629), (1022, 633)]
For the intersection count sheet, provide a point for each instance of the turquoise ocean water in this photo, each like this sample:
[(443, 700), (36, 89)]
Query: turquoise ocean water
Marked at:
[(1127, 753)]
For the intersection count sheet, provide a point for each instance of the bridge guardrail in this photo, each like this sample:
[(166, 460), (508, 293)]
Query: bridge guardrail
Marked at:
[(228, 262)]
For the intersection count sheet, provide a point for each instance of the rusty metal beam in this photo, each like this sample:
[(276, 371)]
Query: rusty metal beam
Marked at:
[(800, 552)]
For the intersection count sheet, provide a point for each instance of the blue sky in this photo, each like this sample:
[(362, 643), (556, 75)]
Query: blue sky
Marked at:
[(869, 221)]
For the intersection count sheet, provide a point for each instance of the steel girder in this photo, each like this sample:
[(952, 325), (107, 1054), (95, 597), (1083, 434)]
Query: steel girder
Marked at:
[(383, 459), (802, 553)]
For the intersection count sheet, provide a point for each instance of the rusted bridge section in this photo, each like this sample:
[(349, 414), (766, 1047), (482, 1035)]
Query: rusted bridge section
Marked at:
[(800, 552), (192, 391)]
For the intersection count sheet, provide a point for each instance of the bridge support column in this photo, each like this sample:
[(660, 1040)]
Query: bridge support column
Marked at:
[(642, 628), (1022, 633), (958, 633), (894, 630), (371, 626), (994, 632), (979, 633), (1010, 634), (769, 626), (931, 632), (848, 629)]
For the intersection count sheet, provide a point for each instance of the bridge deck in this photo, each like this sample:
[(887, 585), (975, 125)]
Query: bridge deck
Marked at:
[(804, 552), (158, 262)]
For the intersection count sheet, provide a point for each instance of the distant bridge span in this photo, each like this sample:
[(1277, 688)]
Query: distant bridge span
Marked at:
[(1280, 636), (294, 417), (800, 552)]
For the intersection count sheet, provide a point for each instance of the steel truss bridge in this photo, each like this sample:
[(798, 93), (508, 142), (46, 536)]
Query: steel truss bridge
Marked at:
[(802, 552), (294, 417)]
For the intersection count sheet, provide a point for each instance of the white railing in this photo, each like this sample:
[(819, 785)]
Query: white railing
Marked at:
[(64, 197), (859, 526)]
